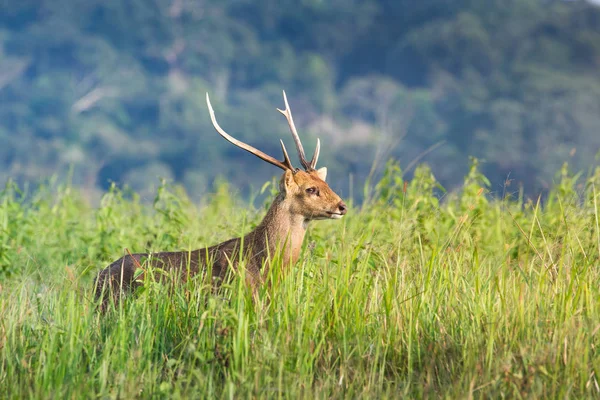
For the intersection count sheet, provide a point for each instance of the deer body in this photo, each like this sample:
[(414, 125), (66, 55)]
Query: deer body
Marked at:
[(303, 196)]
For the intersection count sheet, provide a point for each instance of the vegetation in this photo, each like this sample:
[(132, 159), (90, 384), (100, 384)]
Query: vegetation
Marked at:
[(116, 89), (407, 295)]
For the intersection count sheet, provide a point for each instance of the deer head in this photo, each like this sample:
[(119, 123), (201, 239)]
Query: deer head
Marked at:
[(306, 191)]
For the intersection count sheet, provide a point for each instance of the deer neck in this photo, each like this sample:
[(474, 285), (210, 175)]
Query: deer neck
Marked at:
[(281, 231)]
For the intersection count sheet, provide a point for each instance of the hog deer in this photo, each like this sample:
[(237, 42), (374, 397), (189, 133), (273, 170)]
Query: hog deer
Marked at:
[(303, 197)]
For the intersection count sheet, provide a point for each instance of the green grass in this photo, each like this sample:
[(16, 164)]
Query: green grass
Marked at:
[(406, 296)]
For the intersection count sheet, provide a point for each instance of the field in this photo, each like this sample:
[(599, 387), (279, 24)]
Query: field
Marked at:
[(414, 293)]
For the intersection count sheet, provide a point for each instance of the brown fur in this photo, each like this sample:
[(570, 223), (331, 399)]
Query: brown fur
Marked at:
[(281, 232)]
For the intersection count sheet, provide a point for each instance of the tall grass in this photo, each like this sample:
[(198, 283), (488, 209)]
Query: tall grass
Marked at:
[(406, 296)]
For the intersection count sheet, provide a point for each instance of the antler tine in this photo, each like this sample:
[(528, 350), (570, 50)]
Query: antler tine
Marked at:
[(247, 147), (285, 156), (288, 115), (313, 162)]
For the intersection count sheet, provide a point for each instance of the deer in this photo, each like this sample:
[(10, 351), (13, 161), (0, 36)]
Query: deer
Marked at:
[(303, 196)]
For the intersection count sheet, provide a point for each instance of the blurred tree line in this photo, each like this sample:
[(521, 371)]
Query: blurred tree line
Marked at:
[(115, 89)]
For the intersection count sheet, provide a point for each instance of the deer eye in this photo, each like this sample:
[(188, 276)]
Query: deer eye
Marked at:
[(311, 190)]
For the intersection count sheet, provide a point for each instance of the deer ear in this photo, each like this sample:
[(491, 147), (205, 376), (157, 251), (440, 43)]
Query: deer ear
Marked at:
[(287, 182), (322, 172)]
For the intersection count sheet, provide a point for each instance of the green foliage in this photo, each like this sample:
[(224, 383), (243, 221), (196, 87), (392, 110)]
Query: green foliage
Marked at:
[(116, 89), (417, 294), (11, 213)]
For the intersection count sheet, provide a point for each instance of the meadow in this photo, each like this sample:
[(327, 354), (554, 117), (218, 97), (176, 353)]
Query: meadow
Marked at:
[(416, 293)]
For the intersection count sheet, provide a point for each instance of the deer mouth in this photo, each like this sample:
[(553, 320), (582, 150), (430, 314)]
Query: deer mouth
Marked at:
[(334, 215)]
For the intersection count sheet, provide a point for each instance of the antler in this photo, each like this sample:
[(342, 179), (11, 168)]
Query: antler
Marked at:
[(288, 115), (285, 164)]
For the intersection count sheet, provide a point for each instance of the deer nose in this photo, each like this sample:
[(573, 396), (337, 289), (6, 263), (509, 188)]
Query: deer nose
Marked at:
[(342, 207)]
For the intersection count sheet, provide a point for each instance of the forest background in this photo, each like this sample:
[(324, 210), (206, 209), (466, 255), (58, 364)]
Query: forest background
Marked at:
[(105, 91)]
